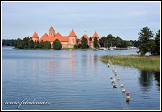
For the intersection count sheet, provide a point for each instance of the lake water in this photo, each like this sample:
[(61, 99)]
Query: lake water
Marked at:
[(74, 80)]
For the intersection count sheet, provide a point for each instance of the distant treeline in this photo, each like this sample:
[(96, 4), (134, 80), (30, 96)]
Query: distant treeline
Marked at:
[(28, 43), (104, 42), (111, 41), (8, 42), (147, 42)]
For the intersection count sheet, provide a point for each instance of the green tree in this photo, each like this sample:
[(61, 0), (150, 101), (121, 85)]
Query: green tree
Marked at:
[(36, 44), (118, 41), (111, 40), (31, 44), (57, 45), (8, 42), (84, 43), (103, 42), (123, 44), (20, 44), (47, 45), (144, 37), (152, 47), (26, 42), (129, 43), (135, 43), (157, 41), (96, 43), (17, 43), (79, 46), (41, 44)]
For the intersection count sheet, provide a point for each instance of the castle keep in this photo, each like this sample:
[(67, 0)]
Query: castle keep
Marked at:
[(66, 41)]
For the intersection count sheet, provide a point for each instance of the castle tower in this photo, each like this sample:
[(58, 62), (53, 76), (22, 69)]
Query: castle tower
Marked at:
[(72, 39), (35, 37), (51, 32), (95, 35)]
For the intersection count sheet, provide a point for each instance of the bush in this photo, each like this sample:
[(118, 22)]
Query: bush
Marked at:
[(57, 45)]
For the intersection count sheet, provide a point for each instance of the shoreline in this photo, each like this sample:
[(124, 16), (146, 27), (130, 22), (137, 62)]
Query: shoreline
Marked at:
[(148, 63)]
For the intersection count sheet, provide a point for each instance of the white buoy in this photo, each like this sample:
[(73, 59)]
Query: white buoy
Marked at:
[(118, 78), (115, 72), (108, 65), (127, 96), (123, 90), (121, 85)]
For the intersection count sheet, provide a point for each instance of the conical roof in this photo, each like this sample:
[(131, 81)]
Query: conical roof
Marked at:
[(95, 35), (35, 35), (72, 34)]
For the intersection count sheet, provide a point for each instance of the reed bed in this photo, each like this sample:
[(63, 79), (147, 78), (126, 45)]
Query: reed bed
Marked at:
[(149, 63)]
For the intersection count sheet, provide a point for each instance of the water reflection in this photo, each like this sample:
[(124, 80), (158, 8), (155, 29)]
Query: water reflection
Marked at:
[(35, 68), (95, 60), (72, 65), (51, 69), (146, 79), (157, 78), (84, 60), (127, 102)]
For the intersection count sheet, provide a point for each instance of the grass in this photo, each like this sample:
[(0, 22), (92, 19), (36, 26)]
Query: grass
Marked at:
[(149, 63)]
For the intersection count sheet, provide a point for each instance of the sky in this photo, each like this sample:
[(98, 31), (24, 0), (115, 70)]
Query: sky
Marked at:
[(123, 19)]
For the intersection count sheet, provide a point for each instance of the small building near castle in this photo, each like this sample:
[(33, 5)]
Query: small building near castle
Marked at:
[(66, 41)]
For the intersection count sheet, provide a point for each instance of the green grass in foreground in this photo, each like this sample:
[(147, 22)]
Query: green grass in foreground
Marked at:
[(150, 63)]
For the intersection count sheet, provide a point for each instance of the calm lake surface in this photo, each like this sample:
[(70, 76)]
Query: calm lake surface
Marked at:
[(74, 80)]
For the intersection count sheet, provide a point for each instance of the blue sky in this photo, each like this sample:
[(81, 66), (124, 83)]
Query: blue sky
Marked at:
[(123, 19)]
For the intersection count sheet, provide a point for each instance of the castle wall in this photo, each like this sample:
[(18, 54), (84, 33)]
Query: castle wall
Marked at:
[(35, 39), (64, 44), (72, 40)]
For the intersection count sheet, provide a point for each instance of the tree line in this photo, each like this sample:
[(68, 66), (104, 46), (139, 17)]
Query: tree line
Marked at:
[(103, 42), (84, 43), (28, 43), (111, 41), (147, 42), (8, 42)]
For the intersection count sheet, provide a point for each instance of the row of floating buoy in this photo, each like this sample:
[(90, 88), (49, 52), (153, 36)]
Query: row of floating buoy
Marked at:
[(118, 78)]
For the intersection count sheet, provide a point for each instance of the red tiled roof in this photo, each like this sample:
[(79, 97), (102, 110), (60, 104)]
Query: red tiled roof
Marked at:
[(58, 35), (72, 34), (95, 35), (35, 35), (64, 39), (45, 37)]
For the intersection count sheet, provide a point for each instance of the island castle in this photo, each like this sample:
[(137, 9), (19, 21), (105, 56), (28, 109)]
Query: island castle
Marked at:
[(66, 41)]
